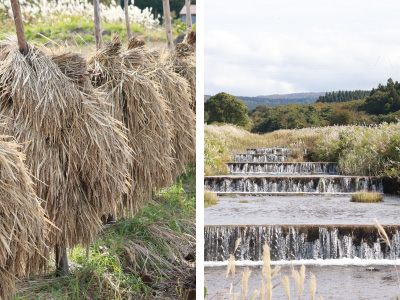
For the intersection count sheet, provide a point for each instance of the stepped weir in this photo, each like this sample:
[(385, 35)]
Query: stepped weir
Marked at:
[(269, 172), (290, 242)]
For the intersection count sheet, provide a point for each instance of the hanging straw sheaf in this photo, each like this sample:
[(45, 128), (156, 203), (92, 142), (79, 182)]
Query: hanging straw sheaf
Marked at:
[(174, 89), (74, 151), (190, 38), (135, 102), (22, 224), (183, 61)]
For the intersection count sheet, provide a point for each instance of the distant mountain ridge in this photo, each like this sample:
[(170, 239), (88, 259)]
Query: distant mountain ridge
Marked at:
[(278, 99)]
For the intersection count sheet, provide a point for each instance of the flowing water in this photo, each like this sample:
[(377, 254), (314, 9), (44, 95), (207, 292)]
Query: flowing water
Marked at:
[(333, 282), (302, 210), (282, 167)]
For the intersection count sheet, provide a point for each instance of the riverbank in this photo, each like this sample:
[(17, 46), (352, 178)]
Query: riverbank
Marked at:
[(359, 150)]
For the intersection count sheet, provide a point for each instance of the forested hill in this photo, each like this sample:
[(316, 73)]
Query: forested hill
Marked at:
[(343, 96), (274, 100)]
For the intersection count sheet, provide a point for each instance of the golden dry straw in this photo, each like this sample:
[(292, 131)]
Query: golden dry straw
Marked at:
[(174, 90), (22, 223), (75, 150), (190, 38), (134, 101), (183, 61)]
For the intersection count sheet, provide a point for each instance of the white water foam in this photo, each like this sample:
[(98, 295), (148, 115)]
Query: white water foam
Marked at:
[(311, 262)]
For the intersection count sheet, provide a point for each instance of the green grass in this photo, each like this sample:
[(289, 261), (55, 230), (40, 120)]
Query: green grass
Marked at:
[(210, 198), (81, 33), (139, 258), (367, 197)]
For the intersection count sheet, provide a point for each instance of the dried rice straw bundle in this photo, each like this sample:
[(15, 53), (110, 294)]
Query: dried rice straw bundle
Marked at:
[(74, 149), (22, 225), (174, 89), (190, 38), (134, 101), (183, 62)]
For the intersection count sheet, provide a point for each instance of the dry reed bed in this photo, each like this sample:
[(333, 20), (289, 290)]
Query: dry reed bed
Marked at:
[(174, 90), (22, 223), (133, 99), (75, 150)]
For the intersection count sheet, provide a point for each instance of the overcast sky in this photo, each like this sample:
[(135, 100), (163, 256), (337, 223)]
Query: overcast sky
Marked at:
[(263, 47)]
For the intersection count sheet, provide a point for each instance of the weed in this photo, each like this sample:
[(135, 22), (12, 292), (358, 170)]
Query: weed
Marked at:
[(210, 198), (366, 197)]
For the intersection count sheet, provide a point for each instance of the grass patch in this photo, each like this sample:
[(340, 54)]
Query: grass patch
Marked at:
[(367, 197), (145, 257), (81, 33), (210, 198), (244, 201)]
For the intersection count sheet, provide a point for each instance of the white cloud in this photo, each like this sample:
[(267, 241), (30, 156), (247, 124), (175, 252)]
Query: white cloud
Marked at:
[(302, 52)]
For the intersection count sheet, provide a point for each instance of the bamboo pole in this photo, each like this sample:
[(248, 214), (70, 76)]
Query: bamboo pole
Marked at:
[(168, 27), (128, 25), (19, 26), (62, 268), (97, 23), (188, 16)]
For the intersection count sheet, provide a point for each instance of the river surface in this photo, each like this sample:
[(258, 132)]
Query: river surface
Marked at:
[(301, 210), (333, 282)]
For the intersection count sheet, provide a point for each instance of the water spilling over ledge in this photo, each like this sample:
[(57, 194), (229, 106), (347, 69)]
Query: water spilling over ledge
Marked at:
[(332, 184), (269, 151), (282, 167), (259, 157), (288, 242)]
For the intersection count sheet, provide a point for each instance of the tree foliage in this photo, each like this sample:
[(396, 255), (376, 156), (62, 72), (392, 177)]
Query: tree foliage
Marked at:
[(225, 108), (157, 5), (384, 99), (343, 96)]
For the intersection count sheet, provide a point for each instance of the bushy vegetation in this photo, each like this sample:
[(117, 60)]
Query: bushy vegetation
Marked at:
[(366, 197), (225, 108), (210, 198), (148, 256), (378, 106), (360, 150)]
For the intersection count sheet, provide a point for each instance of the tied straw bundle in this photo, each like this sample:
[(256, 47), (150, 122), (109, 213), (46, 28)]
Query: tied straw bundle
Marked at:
[(22, 224), (75, 150), (183, 61), (174, 89), (135, 102)]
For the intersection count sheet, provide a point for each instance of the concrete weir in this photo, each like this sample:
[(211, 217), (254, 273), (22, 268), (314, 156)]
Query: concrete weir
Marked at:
[(325, 184), (290, 242), (282, 167)]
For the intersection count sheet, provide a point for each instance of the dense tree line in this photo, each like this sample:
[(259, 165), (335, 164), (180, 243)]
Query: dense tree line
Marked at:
[(343, 96), (381, 105), (384, 99), (157, 5)]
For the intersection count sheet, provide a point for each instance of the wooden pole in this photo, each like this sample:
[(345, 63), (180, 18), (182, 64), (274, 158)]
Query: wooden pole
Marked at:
[(128, 25), (19, 26), (188, 16), (168, 27), (61, 261), (97, 23)]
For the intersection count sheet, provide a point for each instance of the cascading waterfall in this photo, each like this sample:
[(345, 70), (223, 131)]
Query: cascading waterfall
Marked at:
[(300, 242), (269, 151), (292, 184), (283, 167), (259, 157)]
